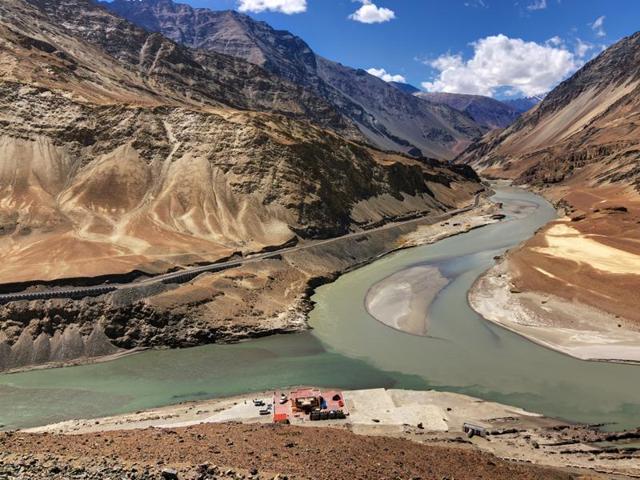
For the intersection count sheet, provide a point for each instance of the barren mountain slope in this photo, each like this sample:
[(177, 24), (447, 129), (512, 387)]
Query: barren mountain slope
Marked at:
[(79, 47), (128, 152), (389, 118), (588, 125), (122, 152), (486, 111), (581, 146), (235, 450)]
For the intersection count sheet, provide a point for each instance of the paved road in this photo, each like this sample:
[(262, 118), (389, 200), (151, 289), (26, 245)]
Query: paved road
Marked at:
[(192, 272)]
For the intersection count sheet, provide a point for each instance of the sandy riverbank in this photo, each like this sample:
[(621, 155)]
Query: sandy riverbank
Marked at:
[(572, 328), (370, 410), (575, 285), (402, 300), (433, 418)]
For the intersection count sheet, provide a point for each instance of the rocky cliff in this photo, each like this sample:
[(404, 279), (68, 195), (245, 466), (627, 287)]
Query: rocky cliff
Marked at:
[(387, 117)]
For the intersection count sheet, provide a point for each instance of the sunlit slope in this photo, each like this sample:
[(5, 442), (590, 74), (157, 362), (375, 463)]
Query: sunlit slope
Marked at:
[(142, 154)]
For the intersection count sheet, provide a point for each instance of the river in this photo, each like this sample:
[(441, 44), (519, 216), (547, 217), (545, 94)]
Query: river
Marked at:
[(347, 348)]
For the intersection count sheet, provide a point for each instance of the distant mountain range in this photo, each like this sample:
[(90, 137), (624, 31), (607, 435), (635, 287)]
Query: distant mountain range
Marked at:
[(486, 111), (523, 104), (388, 117)]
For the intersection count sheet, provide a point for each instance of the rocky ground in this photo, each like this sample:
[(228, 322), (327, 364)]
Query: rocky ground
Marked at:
[(424, 417), (250, 451)]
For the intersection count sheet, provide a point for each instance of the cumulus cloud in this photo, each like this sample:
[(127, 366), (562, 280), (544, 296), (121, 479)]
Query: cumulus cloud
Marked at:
[(598, 26), (371, 13), (500, 62), (387, 77), (555, 41), (537, 5), (284, 6)]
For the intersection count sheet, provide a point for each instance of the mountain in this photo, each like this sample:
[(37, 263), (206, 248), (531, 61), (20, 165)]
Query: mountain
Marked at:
[(389, 118), (523, 104), (405, 87), (586, 129), (485, 111), (122, 150)]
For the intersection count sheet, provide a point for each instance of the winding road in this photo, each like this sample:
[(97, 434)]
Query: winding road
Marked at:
[(189, 273)]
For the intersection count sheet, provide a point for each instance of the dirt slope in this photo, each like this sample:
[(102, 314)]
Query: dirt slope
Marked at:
[(234, 451)]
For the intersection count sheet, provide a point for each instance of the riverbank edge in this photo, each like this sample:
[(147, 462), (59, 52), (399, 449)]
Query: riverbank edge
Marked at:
[(477, 290), (494, 283)]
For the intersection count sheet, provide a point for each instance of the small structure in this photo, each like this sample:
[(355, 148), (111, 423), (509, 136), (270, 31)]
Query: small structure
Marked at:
[(306, 400), (308, 404), (472, 429)]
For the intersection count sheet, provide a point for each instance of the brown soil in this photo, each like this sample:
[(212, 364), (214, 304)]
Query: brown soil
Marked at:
[(610, 217), (296, 452)]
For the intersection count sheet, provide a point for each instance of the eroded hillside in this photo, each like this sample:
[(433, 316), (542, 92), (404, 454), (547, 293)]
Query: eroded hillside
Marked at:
[(576, 282), (124, 153)]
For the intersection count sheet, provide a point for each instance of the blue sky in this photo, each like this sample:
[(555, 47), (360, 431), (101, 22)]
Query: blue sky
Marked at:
[(455, 45)]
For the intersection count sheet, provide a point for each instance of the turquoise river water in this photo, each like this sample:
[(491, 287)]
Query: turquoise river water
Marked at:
[(347, 348)]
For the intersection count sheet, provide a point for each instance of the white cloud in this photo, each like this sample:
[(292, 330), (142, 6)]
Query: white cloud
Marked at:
[(500, 62), (476, 4), (582, 48), (598, 26), (555, 41), (284, 6), (387, 77), (371, 13), (537, 5)]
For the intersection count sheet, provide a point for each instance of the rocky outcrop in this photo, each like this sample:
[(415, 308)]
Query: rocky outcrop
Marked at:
[(42, 342), (387, 117)]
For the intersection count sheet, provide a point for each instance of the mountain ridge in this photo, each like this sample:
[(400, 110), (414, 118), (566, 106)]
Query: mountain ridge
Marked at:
[(588, 120), (130, 116), (389, 118), (486, 111)]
